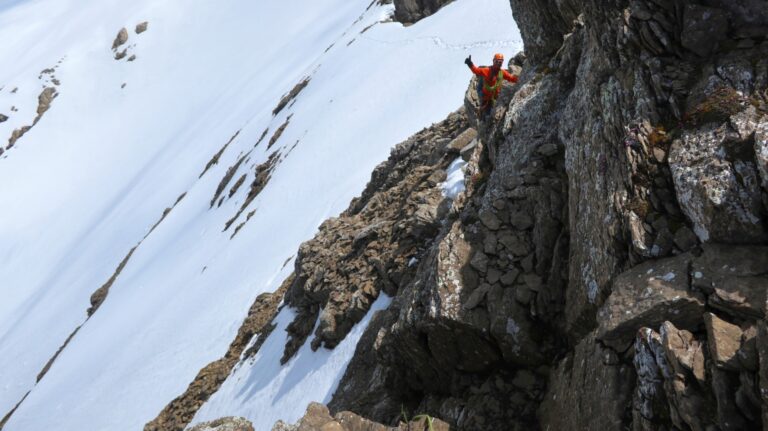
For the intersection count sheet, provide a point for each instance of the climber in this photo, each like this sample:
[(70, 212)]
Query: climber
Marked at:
[(492, 79)]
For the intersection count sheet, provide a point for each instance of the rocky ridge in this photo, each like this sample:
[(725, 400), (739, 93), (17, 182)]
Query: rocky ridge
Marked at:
[(607, 265)]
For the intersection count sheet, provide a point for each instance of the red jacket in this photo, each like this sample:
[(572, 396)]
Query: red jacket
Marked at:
[(489, 78)]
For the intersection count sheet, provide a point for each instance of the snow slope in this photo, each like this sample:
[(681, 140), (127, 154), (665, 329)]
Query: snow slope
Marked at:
[(89, 180)]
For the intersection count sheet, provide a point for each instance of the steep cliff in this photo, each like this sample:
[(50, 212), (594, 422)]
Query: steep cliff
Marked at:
[(607, 266)]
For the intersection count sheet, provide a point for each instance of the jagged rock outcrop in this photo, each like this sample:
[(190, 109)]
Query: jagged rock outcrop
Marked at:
[(225, 424), (410, 11), (374, 245), (634, 136), (605, 267), (318, 418)]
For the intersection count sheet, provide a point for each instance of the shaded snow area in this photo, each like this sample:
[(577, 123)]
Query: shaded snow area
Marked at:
[(264, 392), (454, 182), (123, 140)]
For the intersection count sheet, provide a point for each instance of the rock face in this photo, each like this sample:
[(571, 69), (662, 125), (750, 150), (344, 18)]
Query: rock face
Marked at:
[(606, 266), (600, 377), (375, 244), (614, 217), (410, 11)]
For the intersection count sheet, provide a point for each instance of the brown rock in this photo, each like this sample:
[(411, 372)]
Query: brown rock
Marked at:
[(315, 418), (120, 39), (458, 144), (683, 351), (142, 27), (736, 277), (225, 424), (648, 295), (724, 341)]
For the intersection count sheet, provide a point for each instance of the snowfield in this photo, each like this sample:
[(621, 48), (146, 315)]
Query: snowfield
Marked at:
[(124, 140)]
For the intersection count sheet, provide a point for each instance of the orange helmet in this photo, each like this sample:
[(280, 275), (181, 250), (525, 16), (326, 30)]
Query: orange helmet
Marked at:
[(498, 57)]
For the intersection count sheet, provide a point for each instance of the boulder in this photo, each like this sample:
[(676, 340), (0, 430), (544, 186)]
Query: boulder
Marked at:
[(648, 295), (411, 11), (716, 184), (684, 353), (142, 27), (735, 277), (318, 418), (120, 39), (724, 340), (458, 144)]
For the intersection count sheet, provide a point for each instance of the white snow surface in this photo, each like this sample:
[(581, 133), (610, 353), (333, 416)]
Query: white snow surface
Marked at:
[(89, 180), (264, 392), (454, 182)]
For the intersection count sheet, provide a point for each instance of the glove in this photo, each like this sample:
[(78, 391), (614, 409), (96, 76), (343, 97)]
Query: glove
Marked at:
[(468, 61)]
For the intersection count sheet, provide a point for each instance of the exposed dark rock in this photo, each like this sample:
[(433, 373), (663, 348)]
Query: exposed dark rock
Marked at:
[(261, 176), (735, 277), (718, 190), (703, 28), (600, 377), (279, 132), (142, 27), (291, 95), (411, 11), (648, 295), (215, 159), (614, 196), (396, 217)]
